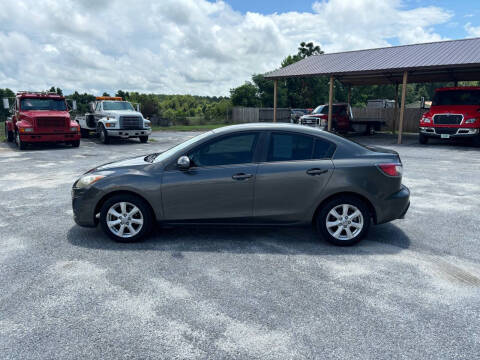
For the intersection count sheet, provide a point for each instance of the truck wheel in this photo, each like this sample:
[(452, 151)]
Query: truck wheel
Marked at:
[(21, 145), (75, 143), (104, 138), (370, 130), (9, 134), (126, 218), (422, 139), (143, 139), (344, 220)]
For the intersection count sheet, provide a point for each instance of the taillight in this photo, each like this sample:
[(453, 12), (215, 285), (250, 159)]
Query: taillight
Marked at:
[(391, 169)]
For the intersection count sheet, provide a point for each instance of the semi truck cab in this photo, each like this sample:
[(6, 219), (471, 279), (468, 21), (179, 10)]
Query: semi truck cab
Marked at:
[(454, 114), (40, 117)]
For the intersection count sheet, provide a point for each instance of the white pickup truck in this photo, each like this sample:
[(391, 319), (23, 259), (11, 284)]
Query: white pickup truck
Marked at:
[(112, 117)]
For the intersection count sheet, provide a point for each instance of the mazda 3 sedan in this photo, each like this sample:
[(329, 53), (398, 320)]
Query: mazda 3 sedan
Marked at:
[(252, 174)]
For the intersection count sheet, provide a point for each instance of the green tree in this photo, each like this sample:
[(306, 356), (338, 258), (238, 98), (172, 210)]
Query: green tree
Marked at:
[(245, 95)]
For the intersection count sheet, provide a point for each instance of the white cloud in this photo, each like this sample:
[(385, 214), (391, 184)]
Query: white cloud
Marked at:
[(472, 31), (184, 46)]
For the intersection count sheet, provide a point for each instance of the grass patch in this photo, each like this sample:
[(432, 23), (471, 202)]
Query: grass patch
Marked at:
[(187, 127), (2, 132)]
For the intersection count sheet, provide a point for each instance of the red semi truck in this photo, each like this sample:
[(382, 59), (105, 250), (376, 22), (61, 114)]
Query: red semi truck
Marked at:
[(41, 117), (454, 114)]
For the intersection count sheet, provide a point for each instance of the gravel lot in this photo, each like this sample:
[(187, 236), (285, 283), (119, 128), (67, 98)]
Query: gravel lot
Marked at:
[(410, 290)]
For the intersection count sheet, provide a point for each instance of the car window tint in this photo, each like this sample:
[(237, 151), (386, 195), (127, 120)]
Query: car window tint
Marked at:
[(236, 149), (323, 149), (289, 147)]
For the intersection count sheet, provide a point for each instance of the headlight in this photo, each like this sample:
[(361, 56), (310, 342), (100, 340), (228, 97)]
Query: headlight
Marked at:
[(111, 117), (110, 124), (88, 180), (426, 120), (147, 123), (25, 130), (470, 121), (74, 129)]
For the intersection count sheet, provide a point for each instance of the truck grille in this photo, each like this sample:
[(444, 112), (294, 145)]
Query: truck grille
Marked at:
[(447, 119), (446, 130), (131, 122), (51, 122), (310, 121)]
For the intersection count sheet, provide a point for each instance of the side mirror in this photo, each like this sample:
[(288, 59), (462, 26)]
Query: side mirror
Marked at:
[(183, 162), (138, 107), (74, 105), (422, 103), (91, 107), (5, 103)]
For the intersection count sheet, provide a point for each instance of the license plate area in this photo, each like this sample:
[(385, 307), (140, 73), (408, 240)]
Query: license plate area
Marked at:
[(445, 136)]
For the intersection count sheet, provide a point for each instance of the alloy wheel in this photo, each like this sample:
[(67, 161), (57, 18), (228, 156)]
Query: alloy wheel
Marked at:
[(124, 219), (344, 222)]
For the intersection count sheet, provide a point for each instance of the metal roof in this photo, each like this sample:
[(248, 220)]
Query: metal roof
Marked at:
[(453, 60)]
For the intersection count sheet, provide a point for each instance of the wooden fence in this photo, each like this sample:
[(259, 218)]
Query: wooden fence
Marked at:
[(250, 114), (410, 120)]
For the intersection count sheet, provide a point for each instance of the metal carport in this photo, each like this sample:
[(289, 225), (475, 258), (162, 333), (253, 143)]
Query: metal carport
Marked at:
[(443, 61)]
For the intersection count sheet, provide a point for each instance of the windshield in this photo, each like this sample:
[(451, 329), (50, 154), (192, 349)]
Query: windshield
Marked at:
[(456, 97), (166, 154), (323, 109), (43, 104), (117, 105)]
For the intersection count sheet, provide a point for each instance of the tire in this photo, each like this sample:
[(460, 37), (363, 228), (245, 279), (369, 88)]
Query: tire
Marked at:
[(75, 143), (476, 141), (370, 130), (422, 139), (20, 144), (338, 234), (9, 134), (131, 202), (143, 139), (104, 138)]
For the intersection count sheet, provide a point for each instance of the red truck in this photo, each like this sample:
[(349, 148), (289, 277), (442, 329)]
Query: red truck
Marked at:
[(41, 117), (454, 114)]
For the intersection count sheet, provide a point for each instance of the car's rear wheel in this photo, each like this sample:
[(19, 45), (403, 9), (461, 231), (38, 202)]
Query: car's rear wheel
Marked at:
[(422, 139), (126, 218), (344, 220)]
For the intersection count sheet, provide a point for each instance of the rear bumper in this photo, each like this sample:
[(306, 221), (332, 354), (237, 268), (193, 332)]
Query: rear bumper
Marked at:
[(49, 137), (129, 133), (394, 207), (460, 132)]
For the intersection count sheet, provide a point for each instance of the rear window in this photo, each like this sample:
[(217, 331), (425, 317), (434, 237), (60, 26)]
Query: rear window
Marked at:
[(456, 97), (292, 147)]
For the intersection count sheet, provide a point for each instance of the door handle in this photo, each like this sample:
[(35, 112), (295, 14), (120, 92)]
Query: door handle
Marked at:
[(316, 171), (241, 176)]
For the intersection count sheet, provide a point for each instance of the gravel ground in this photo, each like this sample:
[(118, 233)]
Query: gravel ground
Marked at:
[(410, 290)]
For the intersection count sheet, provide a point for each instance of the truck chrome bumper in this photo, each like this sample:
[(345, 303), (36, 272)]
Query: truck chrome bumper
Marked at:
[(49, 137), (129, 133), (461, 132)]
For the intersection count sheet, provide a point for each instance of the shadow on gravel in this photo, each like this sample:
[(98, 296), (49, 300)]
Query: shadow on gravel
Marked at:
[(382, 239)]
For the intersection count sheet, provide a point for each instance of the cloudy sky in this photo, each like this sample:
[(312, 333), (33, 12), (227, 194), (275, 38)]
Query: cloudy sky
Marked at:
[(198, 46)]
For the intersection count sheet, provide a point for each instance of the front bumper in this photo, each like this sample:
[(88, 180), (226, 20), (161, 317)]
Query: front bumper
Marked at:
[(84, 203), (394, 207), (129, 133), (49, 137), (452, 132)]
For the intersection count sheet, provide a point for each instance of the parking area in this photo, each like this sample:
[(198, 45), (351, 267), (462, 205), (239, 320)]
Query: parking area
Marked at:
[(411, 289)]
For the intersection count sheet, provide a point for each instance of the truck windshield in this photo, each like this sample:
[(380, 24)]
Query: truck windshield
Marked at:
[(27, 104), (117, 105), (456, 97), (323, 109)]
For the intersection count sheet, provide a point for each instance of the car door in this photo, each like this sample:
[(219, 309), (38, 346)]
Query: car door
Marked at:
[(291, 179), (218, 186)]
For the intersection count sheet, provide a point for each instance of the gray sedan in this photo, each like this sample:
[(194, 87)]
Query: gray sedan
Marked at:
[(254, 174)]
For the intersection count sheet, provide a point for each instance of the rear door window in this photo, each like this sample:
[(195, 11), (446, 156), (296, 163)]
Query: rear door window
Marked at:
[(293, 147)]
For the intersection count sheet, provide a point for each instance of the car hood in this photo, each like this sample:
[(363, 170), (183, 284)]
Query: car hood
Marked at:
[(45, 113), (123, 112), (134, 162)]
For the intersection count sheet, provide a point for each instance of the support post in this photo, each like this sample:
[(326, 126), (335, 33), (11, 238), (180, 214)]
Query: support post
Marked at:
[(402, 108), (349, 95), (395, 112), (275, 83), (330, 103)]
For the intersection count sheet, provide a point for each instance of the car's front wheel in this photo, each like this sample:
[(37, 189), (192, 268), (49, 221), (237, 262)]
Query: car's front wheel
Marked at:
[(344, 220), (126, 218)]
